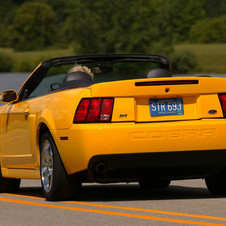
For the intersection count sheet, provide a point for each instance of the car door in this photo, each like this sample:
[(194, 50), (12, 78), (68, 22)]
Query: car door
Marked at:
[(3, 118), (18, 141), (18, 126)]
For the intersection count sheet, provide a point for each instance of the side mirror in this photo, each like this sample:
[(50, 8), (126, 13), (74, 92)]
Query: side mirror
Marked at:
[(8, 96)]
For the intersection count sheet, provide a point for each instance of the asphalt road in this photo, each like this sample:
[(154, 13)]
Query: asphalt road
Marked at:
[(183, 203)]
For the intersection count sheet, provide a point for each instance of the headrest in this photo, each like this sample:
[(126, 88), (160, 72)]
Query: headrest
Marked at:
[(77, 76), (158, 73)]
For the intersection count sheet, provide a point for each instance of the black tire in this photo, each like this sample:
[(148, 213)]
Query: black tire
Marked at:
[(154, 183), (217, 184), (61, 185), (9, 184)]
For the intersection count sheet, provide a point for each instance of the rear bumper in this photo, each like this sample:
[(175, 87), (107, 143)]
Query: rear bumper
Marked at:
[(170, 165), (86, 141)]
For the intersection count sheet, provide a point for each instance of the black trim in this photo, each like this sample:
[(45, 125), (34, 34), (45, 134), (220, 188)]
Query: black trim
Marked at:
[(107, 57), (75, 84), (33, 81), (179, 165), (168, 82)]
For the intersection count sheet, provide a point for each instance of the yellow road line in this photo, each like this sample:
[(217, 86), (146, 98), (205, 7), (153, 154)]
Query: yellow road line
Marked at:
[(152, 211), (109, 212), (131, 208), (24, 196)]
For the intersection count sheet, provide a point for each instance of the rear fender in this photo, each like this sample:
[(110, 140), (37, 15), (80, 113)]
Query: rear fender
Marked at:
[(45, 118)]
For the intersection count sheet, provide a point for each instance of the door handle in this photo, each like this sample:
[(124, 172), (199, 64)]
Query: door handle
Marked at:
[(26, 113)]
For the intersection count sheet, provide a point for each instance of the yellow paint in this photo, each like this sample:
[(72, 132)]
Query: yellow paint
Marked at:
[(18, 137), (195, 107), (21, 173), (132, 130), (119, 138), (126, 111)]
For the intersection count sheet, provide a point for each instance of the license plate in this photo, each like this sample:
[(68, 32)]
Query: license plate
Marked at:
[(162, 107)]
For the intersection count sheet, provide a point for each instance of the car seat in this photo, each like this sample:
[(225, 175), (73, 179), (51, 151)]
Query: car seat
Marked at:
[(77, 79), (158, 73)]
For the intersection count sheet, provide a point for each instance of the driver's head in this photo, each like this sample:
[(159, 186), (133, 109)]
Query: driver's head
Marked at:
[(81, 68)]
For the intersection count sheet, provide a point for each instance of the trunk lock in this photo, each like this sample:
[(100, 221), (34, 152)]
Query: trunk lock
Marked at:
[(167, 90)]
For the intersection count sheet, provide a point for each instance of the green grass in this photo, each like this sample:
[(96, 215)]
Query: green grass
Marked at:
[(36, 55), (211, 58), (27, 61)]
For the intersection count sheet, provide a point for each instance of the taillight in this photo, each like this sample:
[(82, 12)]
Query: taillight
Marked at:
[(82, 111), (223, 103), (94, 110), (106, 110)]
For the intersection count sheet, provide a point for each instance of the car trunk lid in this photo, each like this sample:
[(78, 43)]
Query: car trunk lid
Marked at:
[(163, 99)]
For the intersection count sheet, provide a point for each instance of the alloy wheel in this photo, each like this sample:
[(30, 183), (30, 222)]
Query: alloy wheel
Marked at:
[(47, 165)]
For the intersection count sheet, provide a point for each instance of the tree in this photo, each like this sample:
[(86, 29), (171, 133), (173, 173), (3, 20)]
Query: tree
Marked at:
[(117, 26), (33, 26), (7, 12), (215, 8), (209, 31), (183, 14)]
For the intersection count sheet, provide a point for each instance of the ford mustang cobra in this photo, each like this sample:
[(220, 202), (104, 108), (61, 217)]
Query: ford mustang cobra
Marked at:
[(112, 118)]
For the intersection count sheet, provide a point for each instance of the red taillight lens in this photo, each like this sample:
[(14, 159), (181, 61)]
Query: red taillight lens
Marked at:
[(81, 113), (223, 103), (106, 110), (94, 110)]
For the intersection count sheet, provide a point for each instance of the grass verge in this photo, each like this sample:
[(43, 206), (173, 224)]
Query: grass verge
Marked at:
[(27, 61), (211, 58)]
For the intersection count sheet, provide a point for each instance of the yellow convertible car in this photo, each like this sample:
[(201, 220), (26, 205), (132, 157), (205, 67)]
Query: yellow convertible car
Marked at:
[(112, 118)]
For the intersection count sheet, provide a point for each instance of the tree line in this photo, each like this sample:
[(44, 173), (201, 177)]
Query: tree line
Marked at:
[(113, 26)]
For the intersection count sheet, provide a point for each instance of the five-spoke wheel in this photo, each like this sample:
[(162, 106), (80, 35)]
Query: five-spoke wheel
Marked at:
[(56, 183), (46, 165)]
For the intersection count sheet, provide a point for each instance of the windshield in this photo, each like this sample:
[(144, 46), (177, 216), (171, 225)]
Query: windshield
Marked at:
[(108, 70), (62, 73)]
